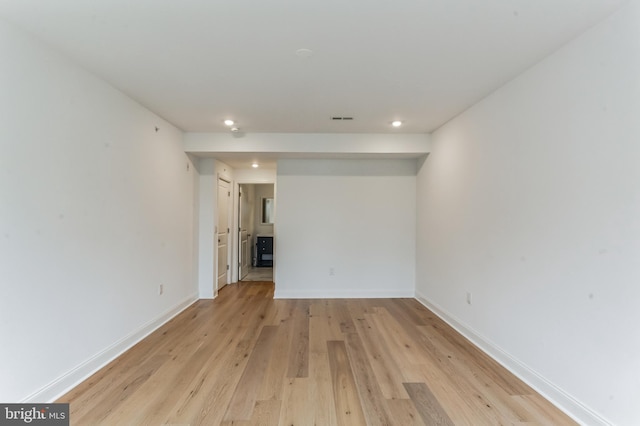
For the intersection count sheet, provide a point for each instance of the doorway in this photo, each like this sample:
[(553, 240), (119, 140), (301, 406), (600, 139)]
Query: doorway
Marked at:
[(256, 213)]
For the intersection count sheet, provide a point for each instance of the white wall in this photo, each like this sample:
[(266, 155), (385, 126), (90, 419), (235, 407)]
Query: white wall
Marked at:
[(96, 212), (531, 201), (357, 217), (259, 175)]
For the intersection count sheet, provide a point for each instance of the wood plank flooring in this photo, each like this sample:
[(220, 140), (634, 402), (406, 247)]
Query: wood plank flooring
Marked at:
[(246, 359)]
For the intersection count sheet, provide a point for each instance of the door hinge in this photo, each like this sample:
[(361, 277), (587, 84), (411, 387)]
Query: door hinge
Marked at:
[(227, 267), (228, 230), (229, 194)]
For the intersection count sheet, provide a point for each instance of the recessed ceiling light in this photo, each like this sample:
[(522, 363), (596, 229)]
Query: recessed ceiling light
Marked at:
[(234, 129), (254, 165), (396, 123), (229, 122)]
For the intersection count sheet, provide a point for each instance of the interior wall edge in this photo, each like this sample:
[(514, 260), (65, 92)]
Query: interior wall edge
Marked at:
[(558, 397)]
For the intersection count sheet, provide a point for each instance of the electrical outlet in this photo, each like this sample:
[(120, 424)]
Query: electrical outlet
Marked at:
[(161, 289), (332, 271), (469, 297)]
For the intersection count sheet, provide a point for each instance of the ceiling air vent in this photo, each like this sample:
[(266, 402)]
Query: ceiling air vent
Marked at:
[(341, 118)]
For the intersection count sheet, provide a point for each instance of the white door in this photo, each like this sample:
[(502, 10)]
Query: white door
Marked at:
[(224, 194), (244, 248)]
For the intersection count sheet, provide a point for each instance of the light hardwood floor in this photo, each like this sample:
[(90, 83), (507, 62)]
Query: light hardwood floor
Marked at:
[(246, 359)]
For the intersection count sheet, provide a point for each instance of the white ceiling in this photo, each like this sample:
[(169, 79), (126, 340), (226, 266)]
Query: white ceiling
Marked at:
[(197, 62)]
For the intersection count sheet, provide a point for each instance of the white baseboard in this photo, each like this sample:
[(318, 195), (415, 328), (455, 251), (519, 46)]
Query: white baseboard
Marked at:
[(342, 294), (77, 375), (561, 399)]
